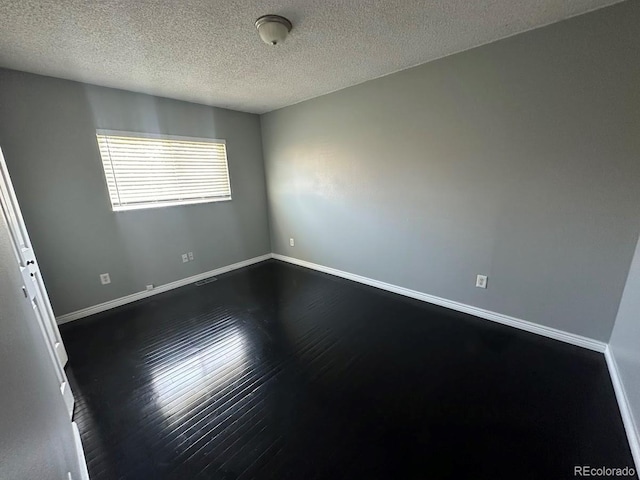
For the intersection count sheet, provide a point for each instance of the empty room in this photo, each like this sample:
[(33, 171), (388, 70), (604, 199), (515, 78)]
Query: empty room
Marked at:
[(319, 239)]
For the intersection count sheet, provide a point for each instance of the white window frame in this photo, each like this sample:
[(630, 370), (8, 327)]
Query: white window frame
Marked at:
[(160, 136)]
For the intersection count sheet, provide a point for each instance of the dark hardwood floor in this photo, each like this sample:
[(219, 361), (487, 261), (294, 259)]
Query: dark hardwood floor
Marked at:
[(275, 371)]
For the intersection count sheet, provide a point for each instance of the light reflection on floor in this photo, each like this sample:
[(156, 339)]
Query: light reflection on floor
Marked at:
[(180, 383)]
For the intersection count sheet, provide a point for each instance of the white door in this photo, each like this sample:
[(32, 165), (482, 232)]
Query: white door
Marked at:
[(34, 285)]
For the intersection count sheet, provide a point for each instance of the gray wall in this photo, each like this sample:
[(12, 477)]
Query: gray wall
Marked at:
[(36, 439), (47, 133), (519, 160), (625, 340)]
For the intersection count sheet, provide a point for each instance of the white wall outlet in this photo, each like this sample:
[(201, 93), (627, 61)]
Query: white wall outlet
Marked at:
[(150, 287), (185, 258), (292, 242), (105, 279), (481, 281), (190, 256)]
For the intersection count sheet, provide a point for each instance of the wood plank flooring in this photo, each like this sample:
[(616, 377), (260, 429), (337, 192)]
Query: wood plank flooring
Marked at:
[(279, 372)]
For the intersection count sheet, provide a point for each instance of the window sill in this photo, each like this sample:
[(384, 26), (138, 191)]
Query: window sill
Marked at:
[(144, 206)]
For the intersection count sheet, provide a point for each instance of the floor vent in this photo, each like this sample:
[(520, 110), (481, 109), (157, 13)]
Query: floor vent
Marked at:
[(199, 283)]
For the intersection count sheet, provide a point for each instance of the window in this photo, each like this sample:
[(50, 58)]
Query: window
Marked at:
[(146, 171)]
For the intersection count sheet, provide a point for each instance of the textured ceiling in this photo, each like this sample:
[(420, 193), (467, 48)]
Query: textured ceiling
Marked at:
[(208, 51)]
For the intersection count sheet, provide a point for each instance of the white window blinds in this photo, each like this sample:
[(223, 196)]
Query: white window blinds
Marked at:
[(145, 171)]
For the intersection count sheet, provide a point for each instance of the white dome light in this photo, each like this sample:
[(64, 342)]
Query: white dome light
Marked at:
[(273, 29)]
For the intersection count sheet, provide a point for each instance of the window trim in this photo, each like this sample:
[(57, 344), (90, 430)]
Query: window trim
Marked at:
[(161, 136)]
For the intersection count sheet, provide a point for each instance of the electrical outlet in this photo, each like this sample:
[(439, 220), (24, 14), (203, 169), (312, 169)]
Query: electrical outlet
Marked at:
[(190, 256), (150, 287), (481, 281), (292, 242), (185, 258), (105, 279)]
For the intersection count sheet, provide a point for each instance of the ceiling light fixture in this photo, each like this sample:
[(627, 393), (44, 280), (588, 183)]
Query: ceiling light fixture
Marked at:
[(273, 29)]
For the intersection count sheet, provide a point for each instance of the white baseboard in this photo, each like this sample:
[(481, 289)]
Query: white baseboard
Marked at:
[(460, 307), (82, 462), (425, 297), (85, 312), (630, 426)]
